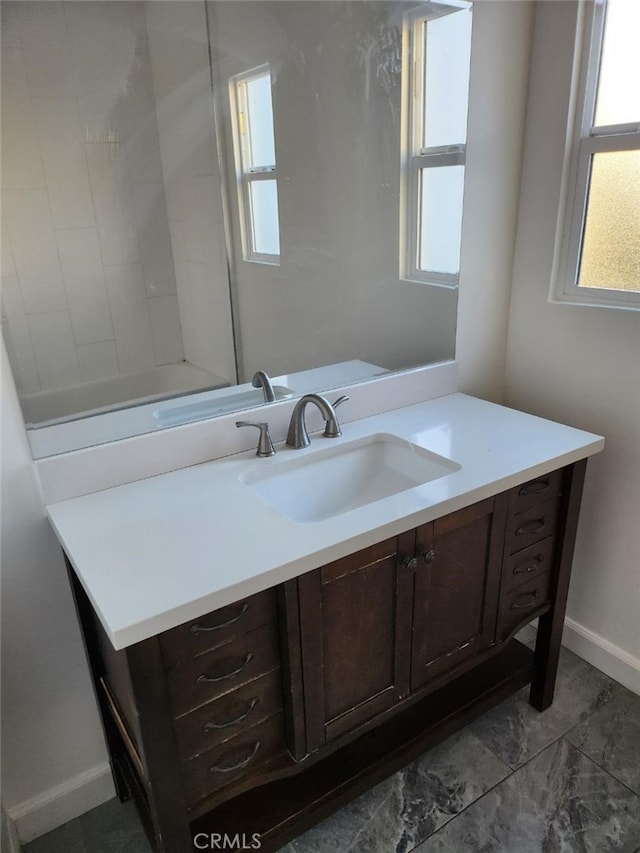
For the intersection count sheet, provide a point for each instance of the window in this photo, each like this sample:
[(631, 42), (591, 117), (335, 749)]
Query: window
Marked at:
[(252, 112), (600, 241), (437, 49)]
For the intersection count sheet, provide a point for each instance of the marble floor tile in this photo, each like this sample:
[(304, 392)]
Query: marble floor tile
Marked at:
[(405, 809), (65, 839), (113, 828), (611, 737), (560, 802), (527, 636), (516, 732)]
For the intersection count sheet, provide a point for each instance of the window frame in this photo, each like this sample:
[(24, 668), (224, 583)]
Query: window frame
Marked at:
[(245, 173), (585, 140), (416, 157)]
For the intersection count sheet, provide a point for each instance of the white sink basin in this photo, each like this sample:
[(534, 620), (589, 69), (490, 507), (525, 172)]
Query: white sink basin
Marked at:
[(315, 486)]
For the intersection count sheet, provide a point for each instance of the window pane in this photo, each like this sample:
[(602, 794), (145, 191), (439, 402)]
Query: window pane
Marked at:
[(446, 82), (440, 218), (260, 109), (618, 86), (611, 243), (264, 217)]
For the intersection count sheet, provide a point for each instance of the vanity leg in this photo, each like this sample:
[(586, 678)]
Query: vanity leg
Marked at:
[(109, 728), (547, 651)]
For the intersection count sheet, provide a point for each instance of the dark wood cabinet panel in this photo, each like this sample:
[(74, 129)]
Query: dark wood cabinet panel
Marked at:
[(535, 523), (224, 764), (529, 563), (536, 491), (456, 589), (216, 629), (220, 720), (355, 638), (206, 677)]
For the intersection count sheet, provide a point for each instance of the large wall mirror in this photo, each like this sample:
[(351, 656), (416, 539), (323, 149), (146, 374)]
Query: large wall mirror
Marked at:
[(193, 192)]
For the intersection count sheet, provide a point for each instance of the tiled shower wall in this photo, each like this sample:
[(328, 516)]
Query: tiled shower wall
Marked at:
[(88, 282)]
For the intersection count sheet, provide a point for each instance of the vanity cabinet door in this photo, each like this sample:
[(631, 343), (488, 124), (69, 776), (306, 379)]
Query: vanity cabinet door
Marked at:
[(355, 620), (456, 588)]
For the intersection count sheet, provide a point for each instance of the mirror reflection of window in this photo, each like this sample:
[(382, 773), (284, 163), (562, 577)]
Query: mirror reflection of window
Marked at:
[(256, 165), (437, 87)]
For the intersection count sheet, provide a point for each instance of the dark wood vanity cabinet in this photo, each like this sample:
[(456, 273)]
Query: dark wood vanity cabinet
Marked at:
[(266, 715)]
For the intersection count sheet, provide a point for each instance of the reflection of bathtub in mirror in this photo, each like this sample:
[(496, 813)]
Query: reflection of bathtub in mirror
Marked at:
[(231, 400), (61, 436), (85, 399)]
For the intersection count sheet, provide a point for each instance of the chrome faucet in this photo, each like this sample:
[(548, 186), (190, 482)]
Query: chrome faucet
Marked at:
[(298, 436), (261, 380)]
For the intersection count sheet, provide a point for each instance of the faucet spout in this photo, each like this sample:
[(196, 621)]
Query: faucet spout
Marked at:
[(298, 436), (261, 380)]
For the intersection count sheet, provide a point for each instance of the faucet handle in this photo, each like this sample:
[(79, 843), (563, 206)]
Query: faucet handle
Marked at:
[(265, 445), (332, 426)]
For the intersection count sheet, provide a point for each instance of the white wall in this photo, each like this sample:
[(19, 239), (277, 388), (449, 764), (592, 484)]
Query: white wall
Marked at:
[(498, 101), (53, 754), (88, 279), (578, 365)]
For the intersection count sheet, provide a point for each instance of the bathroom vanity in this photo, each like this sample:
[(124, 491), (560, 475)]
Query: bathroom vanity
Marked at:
[(254, 673)]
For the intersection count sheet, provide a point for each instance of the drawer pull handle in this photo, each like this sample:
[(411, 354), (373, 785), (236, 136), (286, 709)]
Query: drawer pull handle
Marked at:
[(200, 629), (212, 679), (229, 768), (210, 727), (525, 566), (531, 526), (524, 601), (410, 563), (429, 556), (535, 488)]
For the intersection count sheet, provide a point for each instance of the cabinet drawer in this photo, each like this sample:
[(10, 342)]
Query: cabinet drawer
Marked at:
[(536, 491), (216, 673), (520, 604), (230, 761), (527, 564), (225, 718), (217, 628), (531, 526)]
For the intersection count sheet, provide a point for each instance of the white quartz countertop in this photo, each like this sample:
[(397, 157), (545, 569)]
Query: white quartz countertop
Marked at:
[(155, 553)]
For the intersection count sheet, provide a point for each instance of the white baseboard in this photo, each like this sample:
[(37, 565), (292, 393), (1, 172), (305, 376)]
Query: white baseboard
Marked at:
[(9, 834), (62, 803), (604, 655)]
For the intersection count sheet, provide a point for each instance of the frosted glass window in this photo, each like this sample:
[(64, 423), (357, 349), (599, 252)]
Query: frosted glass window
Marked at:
[(619, 81), (611, 241), (599, 259), (260, 121), (264, 217), (447, 51), (441, 191)]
